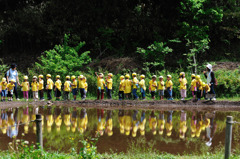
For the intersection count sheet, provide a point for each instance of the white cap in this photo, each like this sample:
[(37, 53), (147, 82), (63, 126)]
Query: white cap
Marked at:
[(209, 66)]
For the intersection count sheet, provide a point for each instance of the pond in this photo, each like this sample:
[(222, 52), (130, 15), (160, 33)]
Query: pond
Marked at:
[(175, 132)]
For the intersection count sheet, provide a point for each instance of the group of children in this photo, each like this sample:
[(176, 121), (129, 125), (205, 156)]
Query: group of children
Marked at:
[(37, 87), (127, 87)]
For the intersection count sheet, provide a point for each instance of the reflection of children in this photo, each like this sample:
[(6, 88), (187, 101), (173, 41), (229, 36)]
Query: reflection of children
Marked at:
[(3, 89), (169, 124), (35, 87), (101, 122), (193, 86), (153, 123), (127, 123), (74, 120), (10, 87), (142, 123), (82, 121), (100, 85), (135, 123), (127, 86), (109, 85), (193, 125), (183, 85), (142, 86), (25, 119), (67, 118), (25, 87), (74, 87), (121, 89), (183, 125), (161, 87), (4, 118), (49, 118), (169, 85), (161, 123), (153, 86), (121, 121), (135, 85), (58, 118), (109, 123)]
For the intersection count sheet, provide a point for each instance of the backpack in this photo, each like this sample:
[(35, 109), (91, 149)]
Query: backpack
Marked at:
[(6, 73)]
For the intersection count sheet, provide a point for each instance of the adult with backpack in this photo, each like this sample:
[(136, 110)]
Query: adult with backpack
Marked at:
[(13, 74), (211, 80)]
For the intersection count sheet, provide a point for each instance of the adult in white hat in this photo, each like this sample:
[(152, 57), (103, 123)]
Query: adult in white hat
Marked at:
[(211, 80)]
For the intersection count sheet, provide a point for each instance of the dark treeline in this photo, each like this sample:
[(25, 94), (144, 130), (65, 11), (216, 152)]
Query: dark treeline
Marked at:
[(118, 27)]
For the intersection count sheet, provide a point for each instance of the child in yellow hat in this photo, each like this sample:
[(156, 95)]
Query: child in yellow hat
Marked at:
[(153, 86), (169, 85), (194, 86), (25, 87), (161, 87), (74, 87), (81, 86), (67, 88), (10, 87), (127, 86), (49, 86), (135, 85), (35, 87), (85, 87), (58, 87), (183, 85), (41, 87), (199, 87), (3, 89), (100, 85), (142, 86), (109, 85), (121, 89)]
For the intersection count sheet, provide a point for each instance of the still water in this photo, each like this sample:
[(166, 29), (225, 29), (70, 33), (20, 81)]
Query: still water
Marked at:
[(175, 132)]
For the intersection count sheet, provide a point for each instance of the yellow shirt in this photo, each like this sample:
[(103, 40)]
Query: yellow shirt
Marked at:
[(41, 85), (50, 84), (109, 83), (207, 88), (169, 83), (127, 84), (86, 86), (161, 85), (100, 83), (153, 85), (75, 84), (193, 84), (25, 86), (135, 81), (183, 83), (67, 86), (142, 84), (121, 85), (58, 84), (199, 84), (10, 86), (3, 85), (34, 86), (81, 84)]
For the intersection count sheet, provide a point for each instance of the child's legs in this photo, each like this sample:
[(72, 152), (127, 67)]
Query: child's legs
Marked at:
[(153, 94), (135, 94), (143, 94), (109, 94), (26, 94), (98, 93), (49, 91), (119, 95), (102, 93)]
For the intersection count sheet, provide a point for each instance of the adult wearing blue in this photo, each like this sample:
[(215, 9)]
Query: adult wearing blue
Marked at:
[(13, 74), (211, 80)]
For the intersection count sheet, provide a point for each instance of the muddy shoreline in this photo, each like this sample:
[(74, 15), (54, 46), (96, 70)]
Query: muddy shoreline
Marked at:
[(130, 104)]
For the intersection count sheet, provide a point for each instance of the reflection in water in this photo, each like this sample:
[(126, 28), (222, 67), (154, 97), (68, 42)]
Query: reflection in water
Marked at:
[(179, 130)]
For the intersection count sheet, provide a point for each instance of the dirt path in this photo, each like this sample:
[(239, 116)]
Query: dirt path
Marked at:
[(130, 104)]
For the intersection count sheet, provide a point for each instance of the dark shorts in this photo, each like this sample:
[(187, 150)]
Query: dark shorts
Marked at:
[(74, 91), (9, 94), (58, 93)]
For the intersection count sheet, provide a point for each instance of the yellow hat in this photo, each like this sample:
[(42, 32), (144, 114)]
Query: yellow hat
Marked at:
[(110, 74), (169, 133), (4, 130), (181, 136), (127, 76), (25, 77), (81, 76), (110, 133), (49, 129), (122, 130), (182, 73), (13, 80), (154, 132), (134, 134), (26, 129), (58, 128), (67, 77), (193, 75), (57, 76), (198, 77), (40, 76), (48, 75), (121, 77), (34, 77), (134, 74), (73, 129), (142, 132), (73, 77), (4, 79), (127, 132), (142, 76), (169, 76), (68, 128)]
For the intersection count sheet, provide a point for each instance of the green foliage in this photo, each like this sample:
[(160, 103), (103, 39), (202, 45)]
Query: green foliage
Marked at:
[(63, 60)]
